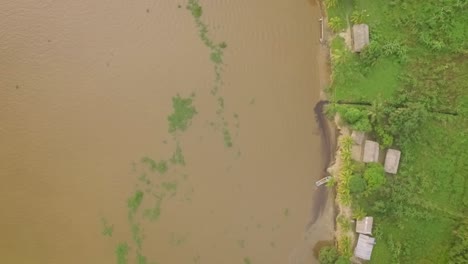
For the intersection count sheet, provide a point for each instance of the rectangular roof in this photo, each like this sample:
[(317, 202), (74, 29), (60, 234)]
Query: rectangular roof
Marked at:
[(364, 247), (392, 160), (371, 151), (360, 37), (364, 226), (358, 137)]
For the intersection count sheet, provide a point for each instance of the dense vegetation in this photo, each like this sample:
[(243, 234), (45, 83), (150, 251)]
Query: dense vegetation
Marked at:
[(412, 79)]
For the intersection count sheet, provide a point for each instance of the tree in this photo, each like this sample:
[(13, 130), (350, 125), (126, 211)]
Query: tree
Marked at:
[(357, 184), (375, 176), (328, 255)]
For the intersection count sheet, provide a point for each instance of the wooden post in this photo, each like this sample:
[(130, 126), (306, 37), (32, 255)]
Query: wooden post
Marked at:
[(321, 29)]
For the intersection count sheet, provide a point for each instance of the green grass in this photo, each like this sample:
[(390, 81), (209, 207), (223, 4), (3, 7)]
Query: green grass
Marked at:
[(381, 82)]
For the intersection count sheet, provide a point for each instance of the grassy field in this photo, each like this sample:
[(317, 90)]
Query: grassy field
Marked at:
[(414, 72)]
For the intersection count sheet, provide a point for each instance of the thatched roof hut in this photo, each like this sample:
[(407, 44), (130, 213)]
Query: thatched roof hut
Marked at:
[(392, 160), (360, 37), (364, 247), (371, 151), (364, 226)]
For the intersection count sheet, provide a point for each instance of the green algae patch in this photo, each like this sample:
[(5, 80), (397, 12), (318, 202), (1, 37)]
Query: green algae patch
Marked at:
[(137, 235), (183, 113), (141, 259), (153, 214), (195, 8), (178, 156), (121, 253), (170, 187), (160, 166), (227, 138), (134, 202), (107, 229)]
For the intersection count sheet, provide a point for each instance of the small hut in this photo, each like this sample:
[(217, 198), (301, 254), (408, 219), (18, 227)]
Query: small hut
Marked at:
[(364, 247), (358, 137), (360, 37), (364, 226), (392, 160), (371, 151)]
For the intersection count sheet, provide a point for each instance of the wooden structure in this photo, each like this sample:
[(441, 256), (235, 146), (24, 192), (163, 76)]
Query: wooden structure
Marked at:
[(392, 160), (364, 226), (364, 247), (360, 37), (371, 151), (323, 181), (358, 137)]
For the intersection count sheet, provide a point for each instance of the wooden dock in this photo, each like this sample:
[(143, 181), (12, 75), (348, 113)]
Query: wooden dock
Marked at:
[(323, 181)]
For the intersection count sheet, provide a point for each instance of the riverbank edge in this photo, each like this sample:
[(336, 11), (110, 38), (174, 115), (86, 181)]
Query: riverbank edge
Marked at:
[(343, 239)]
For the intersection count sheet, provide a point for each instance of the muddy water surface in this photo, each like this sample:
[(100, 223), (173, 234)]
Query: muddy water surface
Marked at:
[(86, 91)]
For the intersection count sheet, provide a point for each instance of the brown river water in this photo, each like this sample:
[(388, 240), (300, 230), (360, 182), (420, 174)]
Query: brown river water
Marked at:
[(86, 89)]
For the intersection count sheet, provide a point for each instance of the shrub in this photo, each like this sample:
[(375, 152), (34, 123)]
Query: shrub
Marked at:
[(359, 213), (331, 3), (405, 122), (357, 184), (375, 176), (342, 260), (328, 255), (335, 24), (358, 17), (356, 118)]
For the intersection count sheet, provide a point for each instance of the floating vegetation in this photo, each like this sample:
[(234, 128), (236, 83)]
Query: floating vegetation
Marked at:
[(144, 179), (141, 259), (121, 253), (247, 260), (272, 244), (183, 114), (137, 235), (195, 8), (286, 212), (153, 213), (216, 56), (227, 138), (134, 202), (160, 166), (107, 229), (170, 187), (178, 156)]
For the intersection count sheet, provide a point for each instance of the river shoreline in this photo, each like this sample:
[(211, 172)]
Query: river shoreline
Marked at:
[(321, 230), (331, 132)]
